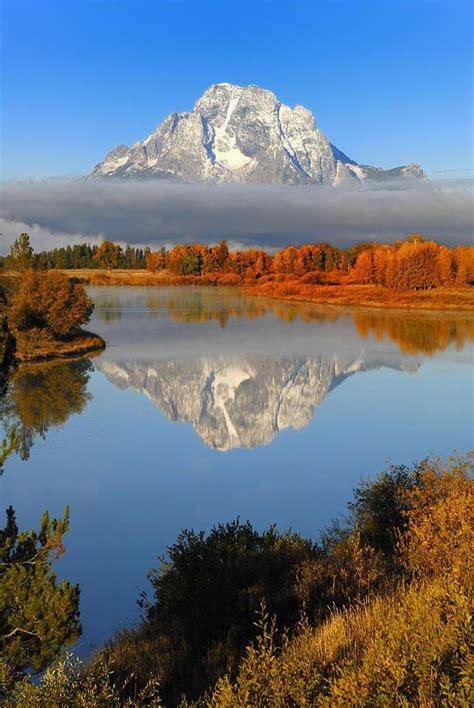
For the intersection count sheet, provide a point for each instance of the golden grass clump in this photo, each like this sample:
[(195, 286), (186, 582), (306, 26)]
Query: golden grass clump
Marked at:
[(409, 646)]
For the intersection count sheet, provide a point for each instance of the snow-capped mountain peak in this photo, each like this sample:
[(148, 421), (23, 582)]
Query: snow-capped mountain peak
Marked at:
[(241, 134)]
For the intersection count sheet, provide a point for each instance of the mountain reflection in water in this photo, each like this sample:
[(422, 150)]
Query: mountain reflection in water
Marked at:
[(243, 378), (235, 402), (239, 369)]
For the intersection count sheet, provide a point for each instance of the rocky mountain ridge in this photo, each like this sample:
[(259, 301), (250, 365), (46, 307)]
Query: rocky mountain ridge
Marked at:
[(242, 134)]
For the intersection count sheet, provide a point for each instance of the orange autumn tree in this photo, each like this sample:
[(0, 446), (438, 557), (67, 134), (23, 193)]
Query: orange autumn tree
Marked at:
[(51, 302), (156, 260), (364, 269), (414, 264), (108, 255), (464, 265)]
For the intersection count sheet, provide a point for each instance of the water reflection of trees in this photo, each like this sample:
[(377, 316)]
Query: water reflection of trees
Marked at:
[(109, 310), (413, 332), (40, 396), (205, 307), (417, 333)]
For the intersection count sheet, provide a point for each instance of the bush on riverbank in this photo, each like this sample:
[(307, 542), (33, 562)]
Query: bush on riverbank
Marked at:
[(377, 613), (381, 558), (45, 313), (410, 646)]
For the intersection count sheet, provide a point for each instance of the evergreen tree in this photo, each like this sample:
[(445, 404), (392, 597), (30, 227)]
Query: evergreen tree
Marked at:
[(21, 253), (109, 255), (38, 615)]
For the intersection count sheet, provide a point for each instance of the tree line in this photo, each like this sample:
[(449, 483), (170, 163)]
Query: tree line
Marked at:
[(404, 265), (84, 255)]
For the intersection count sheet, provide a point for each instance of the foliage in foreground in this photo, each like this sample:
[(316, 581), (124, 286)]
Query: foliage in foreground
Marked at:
[(386, 615), (38, 615), (410, 646), (405, 547), (64, 685), (206, 594)]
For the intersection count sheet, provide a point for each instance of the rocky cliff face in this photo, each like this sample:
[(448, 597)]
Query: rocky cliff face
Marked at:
[(234, 402), (241, 134)]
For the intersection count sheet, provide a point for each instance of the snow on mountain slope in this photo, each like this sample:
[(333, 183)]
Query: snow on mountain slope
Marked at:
[(241, 134)]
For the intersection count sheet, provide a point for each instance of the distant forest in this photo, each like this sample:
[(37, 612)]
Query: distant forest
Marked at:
[(403, 265), (83, 256)]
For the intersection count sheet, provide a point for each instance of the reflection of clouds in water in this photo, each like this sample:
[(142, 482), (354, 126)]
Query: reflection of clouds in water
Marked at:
[(178, 346), (170, 322)]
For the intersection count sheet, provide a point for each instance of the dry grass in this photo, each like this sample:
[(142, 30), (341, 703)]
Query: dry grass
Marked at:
[(410, 648), (369, 296), (31, 346), (98, 276), (410, 645), (144, 277)]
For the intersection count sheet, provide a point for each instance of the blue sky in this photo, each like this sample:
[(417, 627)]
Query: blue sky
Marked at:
[(389, 81)]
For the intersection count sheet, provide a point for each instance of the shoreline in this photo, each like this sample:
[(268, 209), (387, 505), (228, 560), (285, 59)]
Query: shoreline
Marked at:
[(345, 294), (374, 298), (83, 344)]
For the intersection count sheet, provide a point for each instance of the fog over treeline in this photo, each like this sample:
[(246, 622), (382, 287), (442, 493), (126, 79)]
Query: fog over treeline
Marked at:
[(56, 213)]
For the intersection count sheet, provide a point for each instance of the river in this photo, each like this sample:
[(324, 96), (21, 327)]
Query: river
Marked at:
[(207, 405)]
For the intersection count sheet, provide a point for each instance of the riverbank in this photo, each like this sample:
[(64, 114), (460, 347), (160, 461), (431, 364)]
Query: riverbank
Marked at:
[(374, 296), (42, 315), (77, 345), (344, 293)]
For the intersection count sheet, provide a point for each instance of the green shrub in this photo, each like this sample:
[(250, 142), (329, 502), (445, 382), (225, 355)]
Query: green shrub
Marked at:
[(205, 597)]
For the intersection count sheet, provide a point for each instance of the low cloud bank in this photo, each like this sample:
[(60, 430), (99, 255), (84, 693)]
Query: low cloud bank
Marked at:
[(270, 216)]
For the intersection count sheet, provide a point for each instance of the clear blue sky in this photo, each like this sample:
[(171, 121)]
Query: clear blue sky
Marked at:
[(389, 81)]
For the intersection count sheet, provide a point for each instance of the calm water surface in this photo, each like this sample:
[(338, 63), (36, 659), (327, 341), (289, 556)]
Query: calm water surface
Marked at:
[(207, 405)]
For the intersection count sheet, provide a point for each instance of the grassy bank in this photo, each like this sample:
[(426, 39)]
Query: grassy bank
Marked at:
[(34, 347), (460, 299), (409, 647), (406, 645)]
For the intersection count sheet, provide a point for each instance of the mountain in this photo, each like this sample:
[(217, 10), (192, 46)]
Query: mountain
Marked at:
[(241, 134), (235, 401)]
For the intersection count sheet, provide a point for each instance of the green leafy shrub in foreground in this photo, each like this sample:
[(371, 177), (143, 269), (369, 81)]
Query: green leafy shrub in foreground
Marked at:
[(206, 594)]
